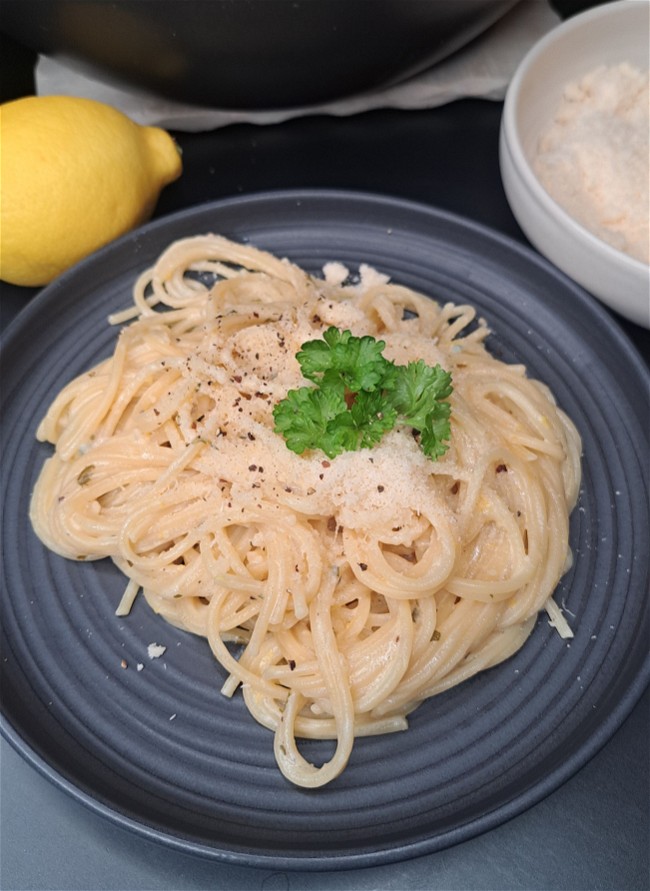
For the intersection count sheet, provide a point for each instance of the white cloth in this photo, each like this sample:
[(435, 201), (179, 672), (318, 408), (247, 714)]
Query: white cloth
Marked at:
[(483, 69)]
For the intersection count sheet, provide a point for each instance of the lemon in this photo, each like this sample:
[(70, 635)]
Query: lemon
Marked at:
[(74, 175)]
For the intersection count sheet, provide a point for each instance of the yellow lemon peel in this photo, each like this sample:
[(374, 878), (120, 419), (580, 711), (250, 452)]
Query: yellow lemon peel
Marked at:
[(75, 175)]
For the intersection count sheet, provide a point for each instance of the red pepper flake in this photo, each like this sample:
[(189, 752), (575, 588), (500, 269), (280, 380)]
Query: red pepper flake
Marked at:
[(251, 436), (252, 466), (380, 488), (325, 464), (292, 664), (363, 566), (501, 468)]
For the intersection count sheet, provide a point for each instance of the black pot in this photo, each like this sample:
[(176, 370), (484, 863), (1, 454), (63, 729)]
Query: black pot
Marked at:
[(250, 54)]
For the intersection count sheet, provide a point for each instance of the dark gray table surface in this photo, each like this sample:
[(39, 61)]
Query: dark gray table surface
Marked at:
[(593, 832)]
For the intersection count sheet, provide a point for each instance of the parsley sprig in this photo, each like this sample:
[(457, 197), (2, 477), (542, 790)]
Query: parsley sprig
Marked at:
[(357, 395)]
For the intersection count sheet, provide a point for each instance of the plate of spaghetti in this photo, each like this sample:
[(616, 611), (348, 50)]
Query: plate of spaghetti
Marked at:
[(325, 530)]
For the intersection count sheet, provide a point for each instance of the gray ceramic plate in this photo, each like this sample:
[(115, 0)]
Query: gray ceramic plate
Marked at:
[(159, 751)]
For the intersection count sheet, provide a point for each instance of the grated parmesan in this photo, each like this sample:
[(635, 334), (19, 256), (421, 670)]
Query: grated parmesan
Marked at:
[(155, 651), (593, 159)]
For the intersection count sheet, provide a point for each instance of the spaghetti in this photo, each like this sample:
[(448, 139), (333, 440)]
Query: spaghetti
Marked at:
[(352, 588)]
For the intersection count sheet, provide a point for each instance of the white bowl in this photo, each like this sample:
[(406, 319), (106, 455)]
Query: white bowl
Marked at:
[(605, 35)]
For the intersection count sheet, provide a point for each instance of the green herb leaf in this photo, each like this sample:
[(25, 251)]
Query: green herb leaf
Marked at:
[(436, 431), (360, 395), (302, 417), (417, 389), (372, 416), (356, 362)]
